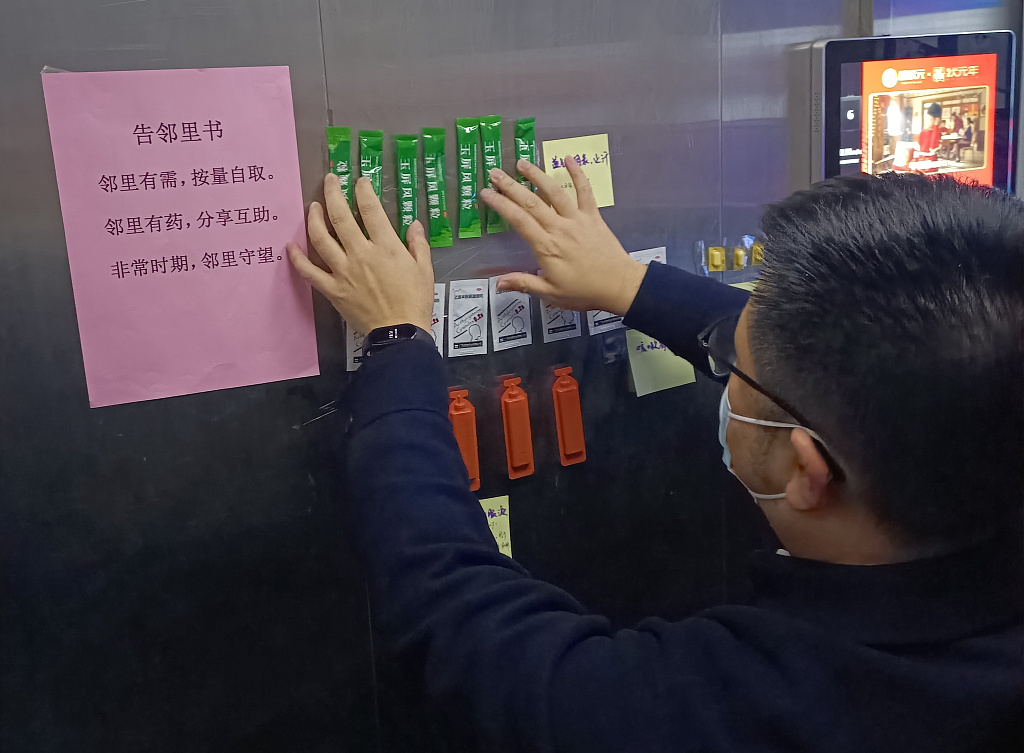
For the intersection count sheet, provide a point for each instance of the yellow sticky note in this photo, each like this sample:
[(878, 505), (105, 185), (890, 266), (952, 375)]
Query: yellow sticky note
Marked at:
[(595, 159), (655, 367), (749, 285), (496, 510)]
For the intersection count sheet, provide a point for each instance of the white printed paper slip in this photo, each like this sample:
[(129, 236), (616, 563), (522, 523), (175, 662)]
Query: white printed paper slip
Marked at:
[(511, 318), (603, 321), (437, 317), (353, 347), (467, 318), (496, 510), (649, 254), (560, 324)]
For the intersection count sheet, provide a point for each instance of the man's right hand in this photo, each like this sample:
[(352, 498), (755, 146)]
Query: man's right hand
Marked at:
[(583, 265)]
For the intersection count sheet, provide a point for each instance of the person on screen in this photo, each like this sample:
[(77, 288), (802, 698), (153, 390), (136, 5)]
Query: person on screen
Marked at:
[(967, 140), (958, 122), (894, 119), (929, 142), (871, 407), (893, 124)]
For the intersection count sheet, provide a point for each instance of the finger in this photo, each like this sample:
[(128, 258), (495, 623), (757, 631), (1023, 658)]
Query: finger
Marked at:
[(376, 222), (340, 213), (524, 197), (418, 245), (584, 191), (549, 188), (307, 269), (324, 243), (524, 222), (525, 283)]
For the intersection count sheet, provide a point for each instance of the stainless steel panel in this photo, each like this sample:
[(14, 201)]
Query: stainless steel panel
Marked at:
[(165, 586), (693, 96), (644, 72), (647, 73), (909, 17), (757, 39)]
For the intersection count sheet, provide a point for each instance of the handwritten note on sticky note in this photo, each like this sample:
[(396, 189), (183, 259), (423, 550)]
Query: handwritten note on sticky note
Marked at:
[(653, 366), (592, 154), (179, 190), (496, 510)]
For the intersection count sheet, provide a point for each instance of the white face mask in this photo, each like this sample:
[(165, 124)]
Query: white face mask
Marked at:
[(724, 415)]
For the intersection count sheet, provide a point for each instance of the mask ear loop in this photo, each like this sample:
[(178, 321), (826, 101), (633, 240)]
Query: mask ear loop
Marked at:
[(784, 425), (776, 425)]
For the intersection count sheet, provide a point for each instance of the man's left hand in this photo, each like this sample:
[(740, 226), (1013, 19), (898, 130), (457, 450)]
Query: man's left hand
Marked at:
[(373, 282)]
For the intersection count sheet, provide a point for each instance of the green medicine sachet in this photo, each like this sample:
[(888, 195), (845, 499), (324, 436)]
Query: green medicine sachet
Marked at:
[(406, 147), (371, 157), (433, 177), (490, 137), (526, 144), (466, 136), (339, 149)]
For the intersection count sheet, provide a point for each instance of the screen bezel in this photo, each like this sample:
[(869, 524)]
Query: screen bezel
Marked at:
[(841, 51)]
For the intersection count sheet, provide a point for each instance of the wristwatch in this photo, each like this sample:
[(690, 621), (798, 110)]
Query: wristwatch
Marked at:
[(381, 337)]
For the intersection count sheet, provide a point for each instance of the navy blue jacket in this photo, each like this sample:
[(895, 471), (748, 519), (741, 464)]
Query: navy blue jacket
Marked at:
[(923, 656)]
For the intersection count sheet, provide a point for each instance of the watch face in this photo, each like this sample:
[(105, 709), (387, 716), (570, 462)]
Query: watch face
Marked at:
[(386, 335)]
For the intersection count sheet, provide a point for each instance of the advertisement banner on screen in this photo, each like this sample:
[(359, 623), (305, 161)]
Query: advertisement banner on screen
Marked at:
[(929, 115)]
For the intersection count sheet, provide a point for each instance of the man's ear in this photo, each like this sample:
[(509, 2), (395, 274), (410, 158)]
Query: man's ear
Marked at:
[(806, 487)]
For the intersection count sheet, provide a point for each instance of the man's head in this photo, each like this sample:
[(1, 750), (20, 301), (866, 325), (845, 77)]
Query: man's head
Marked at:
[(890, 314)]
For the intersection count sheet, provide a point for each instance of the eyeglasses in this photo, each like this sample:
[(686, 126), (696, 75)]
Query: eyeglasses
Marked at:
[(719, 343)]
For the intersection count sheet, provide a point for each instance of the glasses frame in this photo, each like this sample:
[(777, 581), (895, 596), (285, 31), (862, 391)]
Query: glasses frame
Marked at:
[(704, 339)]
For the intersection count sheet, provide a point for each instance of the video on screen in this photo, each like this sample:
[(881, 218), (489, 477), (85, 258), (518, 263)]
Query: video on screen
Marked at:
[(928, 115)]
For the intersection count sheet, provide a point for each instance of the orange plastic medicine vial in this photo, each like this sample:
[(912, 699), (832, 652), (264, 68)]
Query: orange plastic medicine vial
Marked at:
[(463, 417), (515, 415), (568, 417)]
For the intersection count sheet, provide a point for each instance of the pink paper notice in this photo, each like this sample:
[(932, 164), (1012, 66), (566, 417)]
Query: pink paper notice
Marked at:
[(179, 190)]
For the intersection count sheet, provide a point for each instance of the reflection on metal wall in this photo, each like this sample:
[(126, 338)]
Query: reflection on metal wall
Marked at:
[(172, 577), (905, 17), (756, 38)]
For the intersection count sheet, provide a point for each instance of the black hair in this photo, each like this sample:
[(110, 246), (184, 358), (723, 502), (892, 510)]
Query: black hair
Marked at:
[(935, 110), (890, 312)]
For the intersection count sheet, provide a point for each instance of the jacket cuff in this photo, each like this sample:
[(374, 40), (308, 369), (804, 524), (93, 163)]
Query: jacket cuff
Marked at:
[(672, 298), (407, 375)]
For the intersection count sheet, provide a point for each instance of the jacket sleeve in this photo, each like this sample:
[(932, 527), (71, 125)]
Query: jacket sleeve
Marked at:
[(674, 307), (519, 659)]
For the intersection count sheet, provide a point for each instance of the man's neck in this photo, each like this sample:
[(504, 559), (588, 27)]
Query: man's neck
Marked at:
[(849, 536)]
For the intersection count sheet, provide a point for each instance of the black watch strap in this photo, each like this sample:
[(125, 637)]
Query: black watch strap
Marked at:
[(383, 336)]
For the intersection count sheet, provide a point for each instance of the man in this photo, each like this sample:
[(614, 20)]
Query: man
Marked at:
[(966, 140), (872, 409), (958, 122)]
